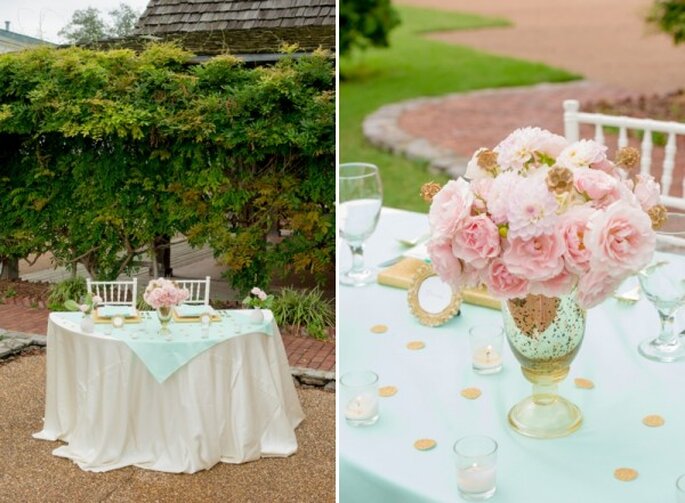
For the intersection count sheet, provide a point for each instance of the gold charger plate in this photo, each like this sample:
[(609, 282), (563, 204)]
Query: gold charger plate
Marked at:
[(192, 319)]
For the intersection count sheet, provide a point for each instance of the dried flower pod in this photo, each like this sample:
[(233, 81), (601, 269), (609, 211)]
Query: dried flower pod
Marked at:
[(659, 215), (487, 161), (560, 180), (628, 158), (428, 191)]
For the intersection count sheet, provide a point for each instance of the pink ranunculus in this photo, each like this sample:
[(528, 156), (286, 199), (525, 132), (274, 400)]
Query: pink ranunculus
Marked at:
[(476, 240), (620, 239), (561, 284), (449, 206), (647, 191), (499, 192), (573, 229), (502, 283), (603, 189), (582, 154), (594, 287), (536, 259)]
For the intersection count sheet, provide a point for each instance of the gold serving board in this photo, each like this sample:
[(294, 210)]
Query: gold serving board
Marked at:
[(129, 319), (192, 319)]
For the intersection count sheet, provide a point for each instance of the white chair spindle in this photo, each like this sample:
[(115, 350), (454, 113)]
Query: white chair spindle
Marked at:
[(599, 134), (646, 161), (669, 164), (622, 137)]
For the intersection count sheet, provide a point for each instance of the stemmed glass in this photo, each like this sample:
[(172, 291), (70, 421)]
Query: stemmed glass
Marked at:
[(663, 282), (361, 198)]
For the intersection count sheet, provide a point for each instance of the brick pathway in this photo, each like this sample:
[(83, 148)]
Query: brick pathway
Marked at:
[(303, 352)]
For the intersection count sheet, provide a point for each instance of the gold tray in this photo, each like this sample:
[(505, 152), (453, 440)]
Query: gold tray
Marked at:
[(192, 319), (128, 319)]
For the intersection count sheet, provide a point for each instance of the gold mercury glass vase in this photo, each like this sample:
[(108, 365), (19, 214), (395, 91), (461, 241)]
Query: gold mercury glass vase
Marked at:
[(164, 315), (544, 334)]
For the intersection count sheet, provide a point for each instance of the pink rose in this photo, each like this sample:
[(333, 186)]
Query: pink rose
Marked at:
[(449, 206), (573, 229), (536, 259), (620, 239), (597, 185), (502, 283), (476, 240), (647, 191), (450, 269), (594, 287), (561, 284)]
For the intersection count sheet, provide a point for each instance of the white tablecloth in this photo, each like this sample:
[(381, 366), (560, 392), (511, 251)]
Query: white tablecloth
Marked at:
[(235, 402)]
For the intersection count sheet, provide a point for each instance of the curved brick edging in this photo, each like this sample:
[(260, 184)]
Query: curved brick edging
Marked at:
[(445, 130)]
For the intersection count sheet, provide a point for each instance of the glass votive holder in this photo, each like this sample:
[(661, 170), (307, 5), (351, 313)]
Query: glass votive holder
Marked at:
[(118, 321), (359, 390), (205, 321), (486, 348), (476, 461), (680, 489)]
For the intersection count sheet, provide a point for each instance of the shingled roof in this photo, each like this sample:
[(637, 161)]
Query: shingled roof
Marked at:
[(240, 26)]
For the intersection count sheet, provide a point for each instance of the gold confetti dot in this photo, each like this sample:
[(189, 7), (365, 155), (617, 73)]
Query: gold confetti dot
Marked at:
[(379, 329), (470, 393), (583, 383), (653, 420), (425, 444), (625, 474), (414, 345), (387, 391)]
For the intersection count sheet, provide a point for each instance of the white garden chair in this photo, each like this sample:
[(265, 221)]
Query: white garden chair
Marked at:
[(115, 293), (198, 288), (573, 117)]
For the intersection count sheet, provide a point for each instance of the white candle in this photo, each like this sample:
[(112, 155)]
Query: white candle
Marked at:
[(364, 406), (486, 358), (118, 321), (476, 479)]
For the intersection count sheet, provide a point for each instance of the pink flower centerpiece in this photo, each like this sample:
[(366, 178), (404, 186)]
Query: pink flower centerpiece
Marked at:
[(544, 216), (162, 294)]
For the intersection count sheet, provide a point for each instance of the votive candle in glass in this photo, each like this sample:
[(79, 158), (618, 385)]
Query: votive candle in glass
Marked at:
[(476, 463), (486, 348), (359, 393)]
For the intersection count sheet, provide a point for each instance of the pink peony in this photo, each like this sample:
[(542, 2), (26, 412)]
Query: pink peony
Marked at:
[(594, 287), (573, 229), (520, 147), (647, 191), (582, 154), (531, 208), (536, 259), (502, 283), (476, 240), (603, 189), (449, 206), (620, 239), (561, 284)]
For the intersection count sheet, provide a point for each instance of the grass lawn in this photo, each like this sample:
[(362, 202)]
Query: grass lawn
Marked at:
[(411, 67)]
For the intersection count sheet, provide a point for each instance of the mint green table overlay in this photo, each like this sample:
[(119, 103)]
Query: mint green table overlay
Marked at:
[(164, 357), (380, 464)]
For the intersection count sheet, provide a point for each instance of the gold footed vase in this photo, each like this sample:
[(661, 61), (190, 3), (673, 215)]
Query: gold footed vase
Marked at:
[(164, 315), (544, 334)]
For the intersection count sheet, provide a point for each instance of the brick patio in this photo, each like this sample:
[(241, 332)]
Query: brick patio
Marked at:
[(303, 352)]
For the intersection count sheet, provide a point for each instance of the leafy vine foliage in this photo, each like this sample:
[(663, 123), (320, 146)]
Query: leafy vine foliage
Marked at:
[(103, 151)]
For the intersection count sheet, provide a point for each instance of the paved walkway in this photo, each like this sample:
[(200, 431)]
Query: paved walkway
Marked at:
[(309, 358), (603, 40)]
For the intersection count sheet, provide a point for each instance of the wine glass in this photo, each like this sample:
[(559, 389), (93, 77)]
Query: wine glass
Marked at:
[(663, 282), (361, 198)]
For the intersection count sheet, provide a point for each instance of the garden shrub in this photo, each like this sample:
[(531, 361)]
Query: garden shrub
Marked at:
[(101, 152), (669, 17), (366, 23), (307, 309)]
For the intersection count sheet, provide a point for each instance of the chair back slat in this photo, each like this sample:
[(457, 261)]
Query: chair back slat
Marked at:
[(197, 288), (599, 134), (115, 293), (670, 173)]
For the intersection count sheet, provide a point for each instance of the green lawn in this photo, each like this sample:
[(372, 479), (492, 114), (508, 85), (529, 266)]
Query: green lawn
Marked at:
[(413, 66)]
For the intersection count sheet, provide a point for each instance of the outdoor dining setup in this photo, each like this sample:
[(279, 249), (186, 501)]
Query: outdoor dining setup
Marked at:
[(570, 256), (177, 387)]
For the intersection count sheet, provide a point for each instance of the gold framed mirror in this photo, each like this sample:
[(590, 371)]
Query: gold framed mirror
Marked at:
[(430, 299)]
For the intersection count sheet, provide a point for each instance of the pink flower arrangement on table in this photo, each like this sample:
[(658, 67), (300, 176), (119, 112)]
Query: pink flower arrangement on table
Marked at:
[(163, 292), (544, 216)]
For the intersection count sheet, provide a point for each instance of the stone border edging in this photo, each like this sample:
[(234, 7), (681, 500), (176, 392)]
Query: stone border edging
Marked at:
[(381, 128)]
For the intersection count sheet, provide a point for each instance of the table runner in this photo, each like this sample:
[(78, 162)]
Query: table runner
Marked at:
[(161, 357), (379, 463)]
